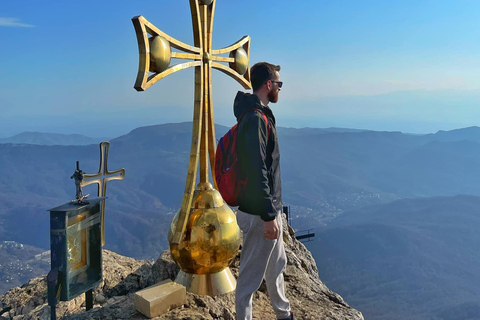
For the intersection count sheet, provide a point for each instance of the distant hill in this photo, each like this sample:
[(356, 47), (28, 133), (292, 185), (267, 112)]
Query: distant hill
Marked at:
[(409, 259), (51, 139), (470, 133), (303, 131)]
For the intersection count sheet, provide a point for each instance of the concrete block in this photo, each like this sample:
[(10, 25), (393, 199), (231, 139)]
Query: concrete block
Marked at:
[(160, 298)]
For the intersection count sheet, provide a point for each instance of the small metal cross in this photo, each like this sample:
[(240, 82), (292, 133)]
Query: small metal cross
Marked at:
[(101, 178), (155, 49)]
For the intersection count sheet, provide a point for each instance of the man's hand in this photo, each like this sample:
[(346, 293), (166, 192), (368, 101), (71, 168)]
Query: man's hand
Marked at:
[(270, 230)]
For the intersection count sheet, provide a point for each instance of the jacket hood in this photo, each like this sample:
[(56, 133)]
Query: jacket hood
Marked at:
[(246, 101)]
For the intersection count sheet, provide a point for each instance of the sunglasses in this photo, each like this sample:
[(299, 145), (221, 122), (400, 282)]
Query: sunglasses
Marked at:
[(279, 83)]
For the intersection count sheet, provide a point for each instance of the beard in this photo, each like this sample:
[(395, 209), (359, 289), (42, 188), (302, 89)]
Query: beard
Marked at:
[(273, 96)]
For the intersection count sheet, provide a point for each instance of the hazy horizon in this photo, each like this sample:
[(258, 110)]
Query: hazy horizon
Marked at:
[(115, 123)]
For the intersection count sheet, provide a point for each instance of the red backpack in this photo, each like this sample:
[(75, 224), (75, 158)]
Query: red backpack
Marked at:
[(230, 184)]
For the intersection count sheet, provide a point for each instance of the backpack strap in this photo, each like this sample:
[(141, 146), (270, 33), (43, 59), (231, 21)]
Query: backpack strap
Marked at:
[(262, 113)]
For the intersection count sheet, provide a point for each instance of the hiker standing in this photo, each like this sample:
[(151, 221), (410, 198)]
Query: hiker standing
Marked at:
[(260, 207)]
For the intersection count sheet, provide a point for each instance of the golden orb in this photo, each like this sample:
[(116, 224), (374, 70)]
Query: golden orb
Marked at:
[(160, 54), (241, 61), (212, 236)]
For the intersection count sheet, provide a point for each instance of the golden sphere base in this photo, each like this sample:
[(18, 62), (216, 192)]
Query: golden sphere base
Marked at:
[(211, 284)]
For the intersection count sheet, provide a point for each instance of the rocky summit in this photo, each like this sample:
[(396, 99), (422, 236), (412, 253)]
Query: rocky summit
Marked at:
[(123, 276)]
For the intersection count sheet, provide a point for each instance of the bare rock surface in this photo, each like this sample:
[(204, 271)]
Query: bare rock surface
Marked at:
[(123, 276)]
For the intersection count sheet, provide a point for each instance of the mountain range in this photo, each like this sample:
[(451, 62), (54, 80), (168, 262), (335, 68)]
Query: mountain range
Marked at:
[(409, 259), (50, 139), (338, 181), (324, 173)]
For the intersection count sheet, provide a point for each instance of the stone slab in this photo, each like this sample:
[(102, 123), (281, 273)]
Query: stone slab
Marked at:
[(160, 298)]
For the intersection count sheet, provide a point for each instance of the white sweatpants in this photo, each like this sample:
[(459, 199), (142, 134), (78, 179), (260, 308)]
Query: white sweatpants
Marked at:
[(260, 258)]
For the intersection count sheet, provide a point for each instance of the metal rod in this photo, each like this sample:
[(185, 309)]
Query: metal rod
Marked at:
[(89, 299), (52, 281)]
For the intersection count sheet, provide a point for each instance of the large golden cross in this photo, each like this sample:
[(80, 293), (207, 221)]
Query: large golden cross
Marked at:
[(155, 49), (101, 178)]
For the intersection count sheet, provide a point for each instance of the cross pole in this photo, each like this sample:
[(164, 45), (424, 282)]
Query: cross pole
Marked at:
[(101, 178), (155, 58)]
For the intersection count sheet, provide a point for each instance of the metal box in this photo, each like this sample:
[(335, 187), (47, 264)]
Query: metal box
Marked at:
[(75, 244)]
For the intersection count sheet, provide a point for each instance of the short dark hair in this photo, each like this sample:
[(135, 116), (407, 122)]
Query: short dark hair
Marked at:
[(261, 72)]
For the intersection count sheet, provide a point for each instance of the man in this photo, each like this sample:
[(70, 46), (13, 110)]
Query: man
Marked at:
[(259, 211)]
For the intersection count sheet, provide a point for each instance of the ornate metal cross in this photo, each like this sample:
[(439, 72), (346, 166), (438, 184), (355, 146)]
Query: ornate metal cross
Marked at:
[(101, 178), (155, 49)]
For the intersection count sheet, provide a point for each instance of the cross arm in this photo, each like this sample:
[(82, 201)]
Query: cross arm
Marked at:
[(239, 58), (235, 75), (143, 29), (230, 48), (158, 76), (94, 178), (116, 175)]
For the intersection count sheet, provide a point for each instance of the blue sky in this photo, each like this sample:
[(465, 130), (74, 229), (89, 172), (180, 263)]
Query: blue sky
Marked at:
[(411, 66)]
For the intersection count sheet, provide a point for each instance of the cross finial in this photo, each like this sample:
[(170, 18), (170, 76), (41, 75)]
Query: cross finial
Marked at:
[(101, 178), (155, 49)]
